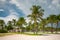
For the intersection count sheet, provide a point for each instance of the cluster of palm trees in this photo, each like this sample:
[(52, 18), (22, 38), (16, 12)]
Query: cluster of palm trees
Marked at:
[(37, 22), (36, 18), (54, 19), (12, 24)]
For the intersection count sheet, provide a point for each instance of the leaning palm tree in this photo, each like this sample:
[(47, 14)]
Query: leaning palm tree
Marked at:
[(35, 16), (51, 19), (20, 23)]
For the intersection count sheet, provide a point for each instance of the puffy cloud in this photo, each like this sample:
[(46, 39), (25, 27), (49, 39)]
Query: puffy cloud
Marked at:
[(10, 17), (25, 5), (13, 15), (54, 6), (55, 3), (27, 19), (21, 5), (1, 10)]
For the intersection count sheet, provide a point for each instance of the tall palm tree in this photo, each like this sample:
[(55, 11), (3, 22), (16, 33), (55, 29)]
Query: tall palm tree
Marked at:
[(21, 22), (35, 16), (57, 21), (2, 23), (51, 19)]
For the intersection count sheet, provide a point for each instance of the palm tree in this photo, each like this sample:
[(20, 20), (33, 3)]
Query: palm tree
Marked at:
[(9, 26), (30, 24), (21, 22), (35, 16), (2, 23), (43, 23), (57, 21), (51, 19), (14, 22)]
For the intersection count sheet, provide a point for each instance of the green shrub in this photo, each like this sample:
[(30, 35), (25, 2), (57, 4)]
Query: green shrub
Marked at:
[(3, 31)]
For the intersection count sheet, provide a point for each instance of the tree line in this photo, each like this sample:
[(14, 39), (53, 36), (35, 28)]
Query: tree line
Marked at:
[(37, 22)]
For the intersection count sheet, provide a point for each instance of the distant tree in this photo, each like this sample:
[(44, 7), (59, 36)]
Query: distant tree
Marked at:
[(21, 22), (14, 22), (29, 27), (9, 25), (57, 21), (43, 23), (2, 24), (51, 19)]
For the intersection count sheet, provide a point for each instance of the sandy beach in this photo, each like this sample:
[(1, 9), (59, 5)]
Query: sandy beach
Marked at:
[(27, 37)]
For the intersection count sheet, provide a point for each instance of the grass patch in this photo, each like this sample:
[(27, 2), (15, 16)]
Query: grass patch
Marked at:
[(30, 34), (26, 33), (33, 34), (5, 34)]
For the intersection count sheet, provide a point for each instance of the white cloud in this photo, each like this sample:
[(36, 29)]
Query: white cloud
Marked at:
[(25, 5), (3, 0), (12, 12), (13, 15), (43, 1), (55, 2), (27, 19), (1, 10), (51, 7), (21, 6), (9, 18), (55, 5)]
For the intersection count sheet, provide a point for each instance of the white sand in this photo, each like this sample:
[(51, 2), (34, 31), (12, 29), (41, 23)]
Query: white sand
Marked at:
[(26, 37)]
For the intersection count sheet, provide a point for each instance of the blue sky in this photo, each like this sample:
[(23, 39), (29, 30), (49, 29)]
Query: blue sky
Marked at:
[(13, 9)]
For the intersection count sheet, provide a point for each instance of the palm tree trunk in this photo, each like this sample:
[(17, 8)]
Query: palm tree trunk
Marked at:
[(51, 27), (34, 31), (56, 26), (35, 27), (43, 29), (2, 27)]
